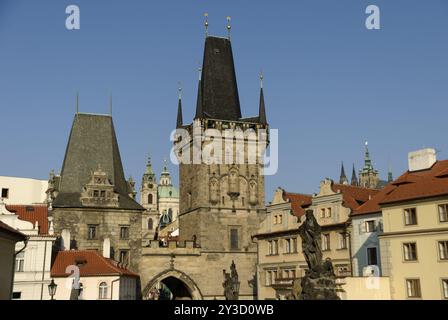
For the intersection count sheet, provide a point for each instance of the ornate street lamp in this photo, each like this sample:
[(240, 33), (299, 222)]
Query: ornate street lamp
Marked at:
[(52, 289)]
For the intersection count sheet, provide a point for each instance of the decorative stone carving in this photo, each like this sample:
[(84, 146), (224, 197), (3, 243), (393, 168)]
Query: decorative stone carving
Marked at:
[(99, 191), (214, 190), (253, 191), (234, 183), (231, 284)]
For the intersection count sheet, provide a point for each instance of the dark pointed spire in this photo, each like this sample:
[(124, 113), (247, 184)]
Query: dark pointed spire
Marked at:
[(354, 178), (262, 109), (179, 108), (343, 178)]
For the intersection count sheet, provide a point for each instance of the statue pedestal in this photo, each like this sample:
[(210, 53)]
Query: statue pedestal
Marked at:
[(322, 287)]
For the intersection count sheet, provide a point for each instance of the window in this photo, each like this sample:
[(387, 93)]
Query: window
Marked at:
[(268, 278), (328, 213), (322, 213), (445, 288), (413, 288), (91, 232), (20, 260), (372, 257), (150, 198), (410, 251), (410, 216), (96, 193), (242, 201), (280, 218), (103, 194), (294, 245), (17, 295), (124, 232), (443, 213), (342, 241), (325, 242), (5, 193), (124, 257), (275, 247), (102, 290), (234, 239), (150, 224), (443, 250), (370, 226), (270, 247)]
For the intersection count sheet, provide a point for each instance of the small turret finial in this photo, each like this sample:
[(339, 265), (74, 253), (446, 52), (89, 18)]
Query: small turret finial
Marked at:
[(229, 27), (261, 79), (206, 24)]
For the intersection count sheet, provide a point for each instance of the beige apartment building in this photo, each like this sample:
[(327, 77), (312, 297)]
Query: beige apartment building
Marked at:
[(414, 245), (280, 258)]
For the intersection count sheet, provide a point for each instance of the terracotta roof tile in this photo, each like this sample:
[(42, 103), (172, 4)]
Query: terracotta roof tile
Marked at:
[(354, 196), (298, 202), (94, 264), (428, 183), (32, 213)]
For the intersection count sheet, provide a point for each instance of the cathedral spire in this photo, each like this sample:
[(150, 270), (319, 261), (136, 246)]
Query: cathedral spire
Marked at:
[(354, 178), (179, 108), (262, 109), (367, 161), (343, 178)]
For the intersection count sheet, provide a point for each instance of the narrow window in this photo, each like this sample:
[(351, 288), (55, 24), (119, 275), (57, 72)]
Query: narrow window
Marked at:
[(150, 198), (20, 261), (413, 288), (410, 216), (102, 290), (342, 241), (410, 251), (325, 242), (445, 288), (370, 226), (150, 224), (443, 213), (124, 232), (234, 239), (443, 250), (124, 257), (372, 258), (91, 232), (5, 193)]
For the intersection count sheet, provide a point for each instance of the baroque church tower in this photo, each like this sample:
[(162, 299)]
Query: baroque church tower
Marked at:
[(148, 199)]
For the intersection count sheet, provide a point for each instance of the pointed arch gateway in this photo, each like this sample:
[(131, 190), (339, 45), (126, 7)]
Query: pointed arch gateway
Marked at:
[(179, 284)]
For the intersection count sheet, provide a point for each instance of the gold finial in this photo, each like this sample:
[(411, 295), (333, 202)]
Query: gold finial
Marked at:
[(229, 27), (261, 79), (206, 23), (180, 89)]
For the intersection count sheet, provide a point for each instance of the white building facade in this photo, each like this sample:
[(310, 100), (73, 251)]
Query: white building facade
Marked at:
[(22, 190)]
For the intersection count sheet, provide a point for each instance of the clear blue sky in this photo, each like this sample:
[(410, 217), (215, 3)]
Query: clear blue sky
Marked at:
[(329, 82)]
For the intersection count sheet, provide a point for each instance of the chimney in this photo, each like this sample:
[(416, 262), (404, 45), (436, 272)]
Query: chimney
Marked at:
[(422, 159), (65, 239), (106, 248)]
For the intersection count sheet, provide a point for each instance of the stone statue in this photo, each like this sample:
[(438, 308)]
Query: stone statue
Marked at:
[(319, 282), (231, 284), (310, 232)]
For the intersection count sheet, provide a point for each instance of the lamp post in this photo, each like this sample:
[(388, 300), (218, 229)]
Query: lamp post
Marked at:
[(52, 289)]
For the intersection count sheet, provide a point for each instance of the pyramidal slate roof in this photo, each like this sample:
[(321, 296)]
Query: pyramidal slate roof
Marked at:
[(92, 143), (219, 89)]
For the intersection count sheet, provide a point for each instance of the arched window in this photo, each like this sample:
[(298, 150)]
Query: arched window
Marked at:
[(150, 224), (103, 290), (150, 198), (170, 214)]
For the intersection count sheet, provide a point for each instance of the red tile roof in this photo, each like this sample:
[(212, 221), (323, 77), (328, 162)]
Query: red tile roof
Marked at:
[(32, 213), (428, 183), (373, 205), (409, 186), (298, 202), (354, 196), (10, 230), (93, 264)]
